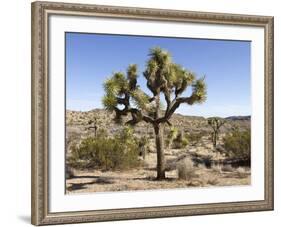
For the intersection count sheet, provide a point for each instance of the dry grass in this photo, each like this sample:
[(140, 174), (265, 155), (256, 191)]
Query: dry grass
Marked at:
[(213, 180), (217, 168), (186, 170), (241, 172), (144, 178), (227, 168), (140, 179)]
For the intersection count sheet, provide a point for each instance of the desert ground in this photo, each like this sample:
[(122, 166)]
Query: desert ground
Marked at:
[(204, 166)]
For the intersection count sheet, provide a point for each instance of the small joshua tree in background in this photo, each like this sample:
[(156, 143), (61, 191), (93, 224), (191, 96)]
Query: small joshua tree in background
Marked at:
[(164, 77), (215, 124), (142, 142), (93, 124)]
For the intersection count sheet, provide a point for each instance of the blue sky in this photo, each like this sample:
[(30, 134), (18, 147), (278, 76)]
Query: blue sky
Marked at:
[(91, 58)]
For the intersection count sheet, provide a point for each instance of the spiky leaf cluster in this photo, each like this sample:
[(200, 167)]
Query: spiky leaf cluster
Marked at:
[(199, 93), (119, 87), (163, 76), (140, 99), (216, 123)]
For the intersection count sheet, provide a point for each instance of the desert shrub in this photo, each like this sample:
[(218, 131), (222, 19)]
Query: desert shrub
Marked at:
[(180, 141), (194, 138), (142, 145), (171, 135), (241, 172), (200, 166), (217, 168), (176, 139), (206, 160), (220, 149), (101, 133), (186, 170), (227, 168), (119, 152), (69, 173), (213, 180), (184, 142), (237, 143), (126, 134)]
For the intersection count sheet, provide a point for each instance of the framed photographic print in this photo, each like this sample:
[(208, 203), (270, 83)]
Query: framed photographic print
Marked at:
[(147, 113)]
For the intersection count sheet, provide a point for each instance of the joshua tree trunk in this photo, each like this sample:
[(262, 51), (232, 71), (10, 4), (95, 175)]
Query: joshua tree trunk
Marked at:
[(216, 124), (215, 138), (96, 128), (158, 129)]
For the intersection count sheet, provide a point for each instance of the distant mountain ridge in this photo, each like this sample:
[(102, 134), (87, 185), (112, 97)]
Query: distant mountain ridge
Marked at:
[(239, 118), (105, 119), (234, 118)]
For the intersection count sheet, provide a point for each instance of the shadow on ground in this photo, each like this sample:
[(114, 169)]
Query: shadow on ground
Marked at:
[(99, 180)]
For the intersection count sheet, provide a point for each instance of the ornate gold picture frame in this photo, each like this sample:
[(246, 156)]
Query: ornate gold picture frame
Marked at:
[(41, 67)]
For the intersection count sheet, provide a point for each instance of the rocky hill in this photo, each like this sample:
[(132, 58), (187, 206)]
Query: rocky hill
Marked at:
[(80, 124)]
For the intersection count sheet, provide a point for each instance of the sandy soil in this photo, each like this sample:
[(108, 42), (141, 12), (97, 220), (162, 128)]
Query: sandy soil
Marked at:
[(143, 178)]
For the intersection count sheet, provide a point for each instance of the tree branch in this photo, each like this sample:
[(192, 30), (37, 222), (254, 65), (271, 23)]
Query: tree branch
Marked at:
[(173, 106), (136, 115)]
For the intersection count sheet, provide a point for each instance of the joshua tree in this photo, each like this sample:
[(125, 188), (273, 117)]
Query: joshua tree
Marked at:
[(215, 124), (164, 79), (142, 142), (93, 124)]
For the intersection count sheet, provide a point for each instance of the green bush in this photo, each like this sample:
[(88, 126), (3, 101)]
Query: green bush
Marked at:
[(176, 139), (237, 143), (117, 153), (171, 136), (180, 141)]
